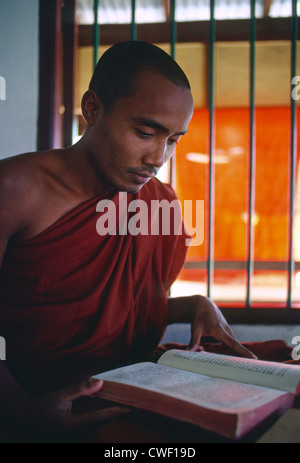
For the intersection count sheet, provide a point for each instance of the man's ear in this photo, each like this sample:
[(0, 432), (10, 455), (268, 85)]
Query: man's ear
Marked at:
[(91, 107)]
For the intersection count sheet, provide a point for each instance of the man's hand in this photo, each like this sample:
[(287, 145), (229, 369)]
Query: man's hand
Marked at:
[(206, 320), (53, 412)]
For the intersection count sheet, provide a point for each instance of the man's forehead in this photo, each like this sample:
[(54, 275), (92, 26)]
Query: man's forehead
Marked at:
[(158, 103), (156, 124)]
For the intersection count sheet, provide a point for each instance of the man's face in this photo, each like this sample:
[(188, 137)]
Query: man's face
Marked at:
[(132, 141)]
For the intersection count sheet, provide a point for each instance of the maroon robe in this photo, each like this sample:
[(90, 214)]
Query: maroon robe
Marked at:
[(72, 301)]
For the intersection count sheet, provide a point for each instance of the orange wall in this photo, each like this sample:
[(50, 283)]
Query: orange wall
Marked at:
[(231, 180)]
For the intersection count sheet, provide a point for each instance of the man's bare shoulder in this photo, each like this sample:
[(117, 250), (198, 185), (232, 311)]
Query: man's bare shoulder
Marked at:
[(13, 167), (20, 177), (23, 185)]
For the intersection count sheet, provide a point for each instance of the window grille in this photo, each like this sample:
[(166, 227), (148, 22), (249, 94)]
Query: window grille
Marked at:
[(213, 16)]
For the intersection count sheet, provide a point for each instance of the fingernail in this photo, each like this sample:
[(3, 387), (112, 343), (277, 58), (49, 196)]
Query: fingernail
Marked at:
[(94, 381)]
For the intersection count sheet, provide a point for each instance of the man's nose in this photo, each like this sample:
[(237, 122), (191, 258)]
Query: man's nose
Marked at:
[(157, 156)]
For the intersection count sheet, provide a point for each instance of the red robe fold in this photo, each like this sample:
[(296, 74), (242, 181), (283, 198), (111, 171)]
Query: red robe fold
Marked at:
[(71, 300)]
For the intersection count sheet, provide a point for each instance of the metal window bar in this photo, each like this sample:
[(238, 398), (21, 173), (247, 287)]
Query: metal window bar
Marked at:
[(252, 156), (293, 156), (211, 186), (173, 28), (133, 26), (250, 265), (96, 32), (173, 40)]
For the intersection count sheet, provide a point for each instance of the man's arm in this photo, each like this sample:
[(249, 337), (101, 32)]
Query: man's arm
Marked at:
[(52, 412), (205, 319)]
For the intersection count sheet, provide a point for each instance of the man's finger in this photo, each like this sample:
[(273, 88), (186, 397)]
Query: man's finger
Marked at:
[(235, 345), (83, 389), (195, 338)]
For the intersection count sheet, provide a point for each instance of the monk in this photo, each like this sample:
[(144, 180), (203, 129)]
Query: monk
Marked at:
[(75, 302)]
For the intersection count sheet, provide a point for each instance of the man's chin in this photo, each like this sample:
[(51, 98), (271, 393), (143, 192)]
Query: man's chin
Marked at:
[(132, 190)]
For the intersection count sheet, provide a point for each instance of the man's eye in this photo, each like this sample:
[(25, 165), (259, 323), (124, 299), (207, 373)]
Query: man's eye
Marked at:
[(144, 134), (172, 141)]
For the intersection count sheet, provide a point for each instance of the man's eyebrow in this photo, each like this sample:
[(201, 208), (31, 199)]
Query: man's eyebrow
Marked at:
[(148, 122)]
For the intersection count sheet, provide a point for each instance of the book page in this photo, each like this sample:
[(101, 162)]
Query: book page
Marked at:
[(267, 374), (210, 393)]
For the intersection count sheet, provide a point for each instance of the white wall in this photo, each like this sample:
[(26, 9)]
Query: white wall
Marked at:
[(19, 50)]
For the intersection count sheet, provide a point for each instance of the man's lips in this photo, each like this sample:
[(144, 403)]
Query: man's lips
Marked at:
[(141, 177)]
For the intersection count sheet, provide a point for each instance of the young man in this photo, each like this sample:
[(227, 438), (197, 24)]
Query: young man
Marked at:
[(74, 303)]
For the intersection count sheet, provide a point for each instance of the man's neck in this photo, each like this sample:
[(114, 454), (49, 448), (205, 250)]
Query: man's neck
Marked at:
[(80, 174)]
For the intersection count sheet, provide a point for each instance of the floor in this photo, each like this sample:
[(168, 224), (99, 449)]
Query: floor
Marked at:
[(244, 333)]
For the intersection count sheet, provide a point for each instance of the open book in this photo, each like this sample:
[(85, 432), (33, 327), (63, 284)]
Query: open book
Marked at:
[(229, 396)]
